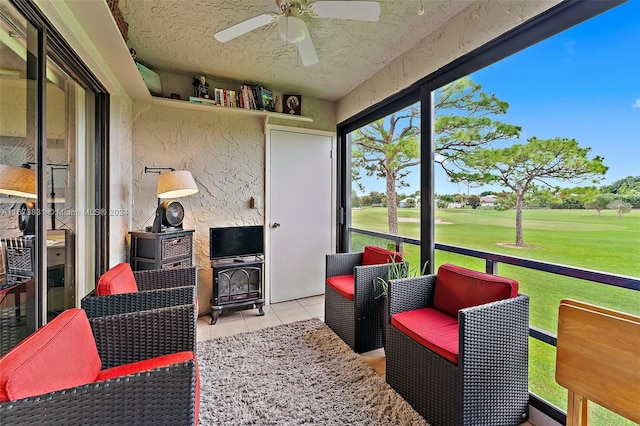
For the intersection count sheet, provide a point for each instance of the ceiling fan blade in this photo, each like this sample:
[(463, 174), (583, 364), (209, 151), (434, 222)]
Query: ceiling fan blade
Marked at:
[(358, 10), (306, 50), (244, 27)]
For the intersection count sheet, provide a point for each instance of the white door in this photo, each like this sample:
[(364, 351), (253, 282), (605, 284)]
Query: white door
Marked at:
[(299, 209)]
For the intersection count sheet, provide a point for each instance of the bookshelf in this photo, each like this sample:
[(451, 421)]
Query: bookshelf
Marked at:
[(173, 103)]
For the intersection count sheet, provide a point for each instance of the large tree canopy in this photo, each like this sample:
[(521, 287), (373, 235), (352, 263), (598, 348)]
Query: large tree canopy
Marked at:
[(464, 121), (519, 166), (386, 148)]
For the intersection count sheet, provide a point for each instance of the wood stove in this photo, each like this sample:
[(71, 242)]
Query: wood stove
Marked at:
[(237, 284)]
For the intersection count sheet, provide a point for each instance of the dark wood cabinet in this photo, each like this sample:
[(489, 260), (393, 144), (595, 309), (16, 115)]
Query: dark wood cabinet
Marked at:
[(150, 250)]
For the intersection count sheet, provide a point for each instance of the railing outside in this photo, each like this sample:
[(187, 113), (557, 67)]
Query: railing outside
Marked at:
[(492, 260)]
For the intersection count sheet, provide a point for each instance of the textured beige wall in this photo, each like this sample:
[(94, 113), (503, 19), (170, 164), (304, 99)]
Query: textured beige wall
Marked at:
[(225, 152), (480, 23)]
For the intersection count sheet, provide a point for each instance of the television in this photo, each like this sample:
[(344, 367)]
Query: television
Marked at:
[(236, 241)]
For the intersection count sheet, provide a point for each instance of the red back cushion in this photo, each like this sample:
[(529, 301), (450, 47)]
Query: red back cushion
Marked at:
[(457, 288), (373, 255), (60, 355), (116, 280)]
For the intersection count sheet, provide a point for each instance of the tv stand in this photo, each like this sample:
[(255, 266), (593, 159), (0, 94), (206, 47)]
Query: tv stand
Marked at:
[(237, 284)]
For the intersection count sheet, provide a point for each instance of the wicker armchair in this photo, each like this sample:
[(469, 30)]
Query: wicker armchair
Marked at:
[(472, 370), (136, 336), (59, 376), (151, 289), (161, 301), (351, 309)]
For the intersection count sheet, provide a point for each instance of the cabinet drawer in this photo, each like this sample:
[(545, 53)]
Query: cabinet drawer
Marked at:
[(175, 247), (176, 264)]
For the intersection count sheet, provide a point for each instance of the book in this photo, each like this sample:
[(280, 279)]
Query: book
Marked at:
[(197, 100), (267, 98), (255, 90)]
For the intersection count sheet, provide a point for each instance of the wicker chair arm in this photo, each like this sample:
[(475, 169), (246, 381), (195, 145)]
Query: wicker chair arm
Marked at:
[(407, 294), (160, 396), (494, 335), (97, 306), (364, 278), (135, 336), (342, 263), (165, 278)]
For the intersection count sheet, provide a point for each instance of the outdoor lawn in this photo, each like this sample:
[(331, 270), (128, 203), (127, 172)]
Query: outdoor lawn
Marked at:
[(578, 238)]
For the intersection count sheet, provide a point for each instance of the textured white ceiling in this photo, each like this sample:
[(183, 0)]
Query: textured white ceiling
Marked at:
[(177, 36)]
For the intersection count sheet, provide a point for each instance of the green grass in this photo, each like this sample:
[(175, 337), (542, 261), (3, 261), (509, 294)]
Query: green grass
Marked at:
[(577, 238)]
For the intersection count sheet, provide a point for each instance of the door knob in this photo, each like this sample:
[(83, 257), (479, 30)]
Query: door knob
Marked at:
[(275, 225)]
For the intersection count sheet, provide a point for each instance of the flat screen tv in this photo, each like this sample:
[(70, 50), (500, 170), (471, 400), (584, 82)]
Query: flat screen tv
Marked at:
[(236, 241)]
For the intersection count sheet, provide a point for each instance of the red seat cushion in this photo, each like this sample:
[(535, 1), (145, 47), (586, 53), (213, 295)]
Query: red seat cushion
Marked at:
[(147, 364), (432, 329), (60, 355), (458, 288), (343, 284), (373, 255), (116, 280)]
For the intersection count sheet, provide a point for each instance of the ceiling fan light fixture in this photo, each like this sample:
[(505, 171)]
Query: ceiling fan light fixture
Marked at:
[(292, 29)]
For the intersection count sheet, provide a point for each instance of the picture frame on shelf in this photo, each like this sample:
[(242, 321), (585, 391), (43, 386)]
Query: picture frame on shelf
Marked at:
[(292, 104)]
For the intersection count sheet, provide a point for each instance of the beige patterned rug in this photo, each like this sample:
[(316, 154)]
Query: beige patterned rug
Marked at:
[(294, 374)]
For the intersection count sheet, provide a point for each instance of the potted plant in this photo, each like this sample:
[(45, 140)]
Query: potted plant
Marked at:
[(395, 271)]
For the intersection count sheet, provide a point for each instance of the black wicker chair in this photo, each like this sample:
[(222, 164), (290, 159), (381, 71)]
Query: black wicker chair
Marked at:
[(165, 304), (352, 311), (488, 383), (156, 288), (54, 377), (136, 336)]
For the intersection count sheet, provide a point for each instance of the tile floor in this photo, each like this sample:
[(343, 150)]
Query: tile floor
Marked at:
[(233, 322)]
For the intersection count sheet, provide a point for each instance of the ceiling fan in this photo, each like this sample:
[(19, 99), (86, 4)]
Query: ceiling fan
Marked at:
[(292, 29)]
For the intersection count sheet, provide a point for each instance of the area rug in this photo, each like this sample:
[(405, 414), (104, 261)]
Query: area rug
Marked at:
[(293, 374)]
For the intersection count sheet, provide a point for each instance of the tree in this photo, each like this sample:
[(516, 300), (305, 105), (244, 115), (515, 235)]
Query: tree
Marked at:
[(389, 146), (386, 148), (601, 202), (474, 201), (464, 123), (519, 166), (627, 186), (621, 207)]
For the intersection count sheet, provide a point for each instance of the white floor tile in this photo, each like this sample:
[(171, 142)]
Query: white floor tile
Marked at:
[(315, 310), (291, 304), (292, 315), (228, 329), (313, 300)]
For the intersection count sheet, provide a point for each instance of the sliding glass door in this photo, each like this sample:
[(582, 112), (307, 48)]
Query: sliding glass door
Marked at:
[(50, 173)]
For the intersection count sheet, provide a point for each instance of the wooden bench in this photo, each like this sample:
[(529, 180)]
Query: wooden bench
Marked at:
[(598, 359)]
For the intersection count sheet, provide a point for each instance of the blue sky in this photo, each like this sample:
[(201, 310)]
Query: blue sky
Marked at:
[(583, 83)]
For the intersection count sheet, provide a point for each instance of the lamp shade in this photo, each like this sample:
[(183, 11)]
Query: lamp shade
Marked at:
[(176, 184), (17, 181)]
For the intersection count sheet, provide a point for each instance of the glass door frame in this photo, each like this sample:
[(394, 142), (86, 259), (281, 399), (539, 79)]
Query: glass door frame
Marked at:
[(51, 45)]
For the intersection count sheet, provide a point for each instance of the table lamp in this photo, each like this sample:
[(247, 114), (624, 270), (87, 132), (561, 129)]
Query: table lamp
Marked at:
[(171, 184)]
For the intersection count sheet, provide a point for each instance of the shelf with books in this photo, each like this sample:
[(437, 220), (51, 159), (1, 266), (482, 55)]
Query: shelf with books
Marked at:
[(173, 103)]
